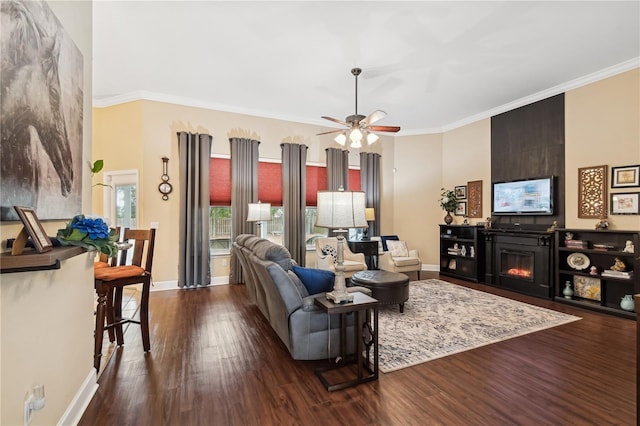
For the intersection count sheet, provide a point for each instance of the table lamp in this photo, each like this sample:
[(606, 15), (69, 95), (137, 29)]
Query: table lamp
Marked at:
[(370, 216), (340, 210), (259, 212)]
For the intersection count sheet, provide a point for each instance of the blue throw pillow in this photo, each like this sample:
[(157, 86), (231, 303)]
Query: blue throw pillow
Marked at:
[(315, 280)]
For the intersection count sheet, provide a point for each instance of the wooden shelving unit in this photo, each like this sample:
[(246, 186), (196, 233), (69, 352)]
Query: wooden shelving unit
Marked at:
[(468, 264), (586, 283)]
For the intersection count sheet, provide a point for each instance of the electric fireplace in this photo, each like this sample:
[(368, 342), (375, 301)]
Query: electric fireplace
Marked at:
[(520, 261)]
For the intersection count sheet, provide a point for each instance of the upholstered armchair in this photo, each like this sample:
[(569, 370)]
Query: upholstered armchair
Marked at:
[(395, 256), (326, 253)]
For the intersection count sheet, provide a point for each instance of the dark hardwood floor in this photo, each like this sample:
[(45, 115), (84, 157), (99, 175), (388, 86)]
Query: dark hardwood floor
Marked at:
[(214, 360)]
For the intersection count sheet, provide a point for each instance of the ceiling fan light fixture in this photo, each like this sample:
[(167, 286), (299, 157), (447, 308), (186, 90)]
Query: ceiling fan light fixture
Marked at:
[(372, 138), (358, 126), (356, 138)]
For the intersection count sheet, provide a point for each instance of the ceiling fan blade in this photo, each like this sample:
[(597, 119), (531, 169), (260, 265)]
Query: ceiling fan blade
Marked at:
[(391, 129), (330, 131), (373, 117), (335, 120)]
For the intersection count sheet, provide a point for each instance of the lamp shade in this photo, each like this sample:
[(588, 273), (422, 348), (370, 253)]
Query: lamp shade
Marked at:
[(370, 214), (258, 212), (341, 209)]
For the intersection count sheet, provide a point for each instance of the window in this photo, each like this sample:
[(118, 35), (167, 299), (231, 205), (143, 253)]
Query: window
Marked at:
[(220, 230), (269, 191)]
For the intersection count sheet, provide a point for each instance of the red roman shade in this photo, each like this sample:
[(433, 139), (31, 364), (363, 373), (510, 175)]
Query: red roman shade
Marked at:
[(269, 182), (220, 182)]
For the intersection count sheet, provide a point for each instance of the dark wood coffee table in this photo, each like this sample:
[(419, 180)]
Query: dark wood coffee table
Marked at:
[(389, 288)]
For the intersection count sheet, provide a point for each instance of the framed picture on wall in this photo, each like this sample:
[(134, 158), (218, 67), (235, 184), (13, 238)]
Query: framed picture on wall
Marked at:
[(592, 192), (625, 203), (461, 209), (626, 176), (461, 192)]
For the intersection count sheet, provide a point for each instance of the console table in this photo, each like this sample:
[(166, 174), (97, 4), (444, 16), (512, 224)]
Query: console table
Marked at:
[(363, 307), (367, 247)]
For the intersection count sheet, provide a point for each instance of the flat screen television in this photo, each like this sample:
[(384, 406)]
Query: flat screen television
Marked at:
[(523, 197)]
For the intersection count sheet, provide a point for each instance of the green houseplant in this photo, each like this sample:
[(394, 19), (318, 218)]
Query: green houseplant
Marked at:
[(448, 202)]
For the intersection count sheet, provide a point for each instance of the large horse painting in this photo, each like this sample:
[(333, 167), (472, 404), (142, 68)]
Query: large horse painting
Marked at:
[(41, 78)]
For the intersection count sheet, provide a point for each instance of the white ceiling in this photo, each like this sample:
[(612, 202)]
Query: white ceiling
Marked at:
[(430, 65)]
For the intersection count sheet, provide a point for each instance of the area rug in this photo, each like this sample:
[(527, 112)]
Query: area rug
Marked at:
[(442, 319)]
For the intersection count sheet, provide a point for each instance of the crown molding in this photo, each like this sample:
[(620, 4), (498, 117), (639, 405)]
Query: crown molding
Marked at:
[(196, 103)]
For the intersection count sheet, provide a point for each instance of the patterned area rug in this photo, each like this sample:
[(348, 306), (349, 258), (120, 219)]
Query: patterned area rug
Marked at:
[(443, 319)]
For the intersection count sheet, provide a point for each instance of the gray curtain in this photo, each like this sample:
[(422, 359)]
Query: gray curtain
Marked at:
[(244, 190), (370, 184), (193, 249), (294, 194), (337, 169)]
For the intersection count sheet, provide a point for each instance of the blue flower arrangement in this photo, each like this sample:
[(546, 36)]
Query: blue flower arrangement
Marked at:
[(90, 233)]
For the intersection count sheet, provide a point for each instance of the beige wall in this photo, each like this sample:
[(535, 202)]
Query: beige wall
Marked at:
[(414, 168), (602, 128), (146, 131), (46, 317)]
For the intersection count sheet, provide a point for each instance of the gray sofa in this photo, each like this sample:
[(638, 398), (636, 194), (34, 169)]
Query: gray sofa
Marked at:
[(285, 303)]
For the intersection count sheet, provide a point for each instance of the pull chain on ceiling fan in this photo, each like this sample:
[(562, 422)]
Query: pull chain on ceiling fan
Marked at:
[(359, 126)]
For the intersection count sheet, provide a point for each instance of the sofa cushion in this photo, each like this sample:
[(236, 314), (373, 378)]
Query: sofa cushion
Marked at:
[(352, 265), (315, 280), (406, 261), (386, 238), (280, 255), (398, 248), (301, 288)]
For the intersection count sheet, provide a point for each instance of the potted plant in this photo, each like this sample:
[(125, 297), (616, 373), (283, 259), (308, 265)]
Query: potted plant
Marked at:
[(448, 202)]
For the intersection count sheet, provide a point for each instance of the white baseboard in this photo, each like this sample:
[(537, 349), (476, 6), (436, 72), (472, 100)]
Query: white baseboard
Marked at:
[(80, 401), (432, 268)]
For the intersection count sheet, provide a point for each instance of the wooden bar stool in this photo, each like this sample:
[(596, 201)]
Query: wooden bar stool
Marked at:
[(109, 282)]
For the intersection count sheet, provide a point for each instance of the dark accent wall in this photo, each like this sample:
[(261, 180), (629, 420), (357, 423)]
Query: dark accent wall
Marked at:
[(528, 142)]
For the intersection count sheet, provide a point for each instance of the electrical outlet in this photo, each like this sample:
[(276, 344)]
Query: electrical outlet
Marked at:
[(224, 262), (155, 225)]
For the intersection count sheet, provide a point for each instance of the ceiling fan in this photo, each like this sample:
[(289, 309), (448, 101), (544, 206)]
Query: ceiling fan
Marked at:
[(359, 126)]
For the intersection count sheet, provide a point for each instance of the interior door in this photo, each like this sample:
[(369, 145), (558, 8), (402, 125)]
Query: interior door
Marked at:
[(121, 198)]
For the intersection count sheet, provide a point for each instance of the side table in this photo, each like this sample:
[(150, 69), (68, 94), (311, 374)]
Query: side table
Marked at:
[(366, 309), (367, 247)]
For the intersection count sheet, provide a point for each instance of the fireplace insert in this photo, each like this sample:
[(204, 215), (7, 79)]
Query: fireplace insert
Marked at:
[(520, 261)]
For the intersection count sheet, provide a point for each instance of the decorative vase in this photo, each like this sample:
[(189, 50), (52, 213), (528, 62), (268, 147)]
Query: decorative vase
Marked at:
[(448, 218), (627, 304), (568, 291)]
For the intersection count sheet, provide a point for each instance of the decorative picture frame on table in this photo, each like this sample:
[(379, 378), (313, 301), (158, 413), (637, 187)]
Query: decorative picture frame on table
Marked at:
[(461, 209), (587, 288), (592, 192), (625, 176), (32, 228), (461, 192), (625, 203)]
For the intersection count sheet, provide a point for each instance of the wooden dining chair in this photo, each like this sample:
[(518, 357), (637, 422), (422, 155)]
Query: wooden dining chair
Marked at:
[(133, 266)]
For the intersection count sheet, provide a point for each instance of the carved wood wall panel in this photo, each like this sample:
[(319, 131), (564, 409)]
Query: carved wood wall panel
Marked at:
[(592, 192), (474, 199)]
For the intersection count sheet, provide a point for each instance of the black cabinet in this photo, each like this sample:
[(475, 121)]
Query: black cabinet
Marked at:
[(584, 259), (461, 252)]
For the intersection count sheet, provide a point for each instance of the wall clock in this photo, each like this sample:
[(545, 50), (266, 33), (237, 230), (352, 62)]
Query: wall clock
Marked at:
[(165, 187)]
